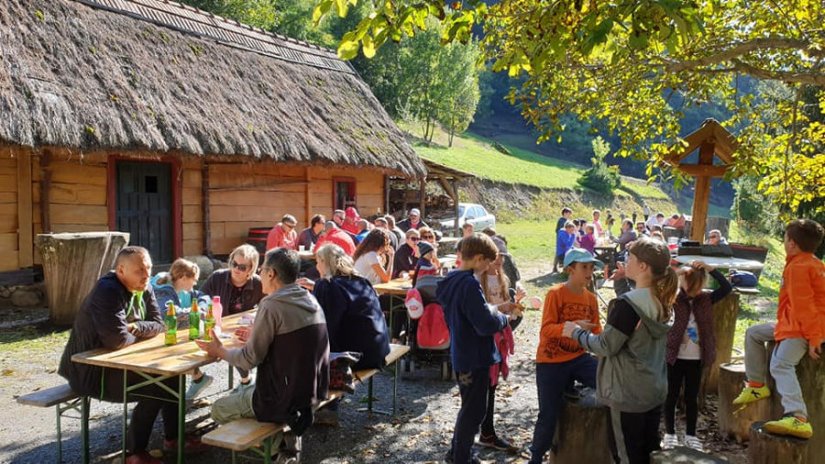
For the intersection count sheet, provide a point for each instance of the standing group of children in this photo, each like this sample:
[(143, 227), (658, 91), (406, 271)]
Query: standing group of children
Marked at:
[(658, 337)]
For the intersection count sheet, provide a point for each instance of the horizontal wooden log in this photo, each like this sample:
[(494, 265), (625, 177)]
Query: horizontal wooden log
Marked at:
[(766, 448), (682, 455), (191, 196), (8, 242), (8, 197), (79, 214), (64, 172), (10, 261), (8, 181), (8, 223)]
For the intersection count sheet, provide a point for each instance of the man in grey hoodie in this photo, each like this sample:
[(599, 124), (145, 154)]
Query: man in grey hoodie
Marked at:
[(632, 374), (288, 344)]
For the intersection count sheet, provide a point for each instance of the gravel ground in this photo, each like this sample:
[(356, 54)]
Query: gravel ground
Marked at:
[(420, 432)]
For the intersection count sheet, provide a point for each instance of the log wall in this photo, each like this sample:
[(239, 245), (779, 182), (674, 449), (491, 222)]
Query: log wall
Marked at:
[(241, 196)]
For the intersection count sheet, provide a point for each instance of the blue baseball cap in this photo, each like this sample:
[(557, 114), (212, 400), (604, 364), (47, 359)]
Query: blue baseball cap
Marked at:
[(580, 255)]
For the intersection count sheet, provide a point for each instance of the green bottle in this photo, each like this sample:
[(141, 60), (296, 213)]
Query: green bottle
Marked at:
[(194, 322), (171, 323), (209, 324)]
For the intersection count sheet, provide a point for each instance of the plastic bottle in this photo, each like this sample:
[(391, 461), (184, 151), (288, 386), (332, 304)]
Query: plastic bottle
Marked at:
[(171, 322), (209, 323), (217, 311)]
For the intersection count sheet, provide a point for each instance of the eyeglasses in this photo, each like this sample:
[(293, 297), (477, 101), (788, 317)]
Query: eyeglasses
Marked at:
[(414, 239), (425, 237), (240, 267)]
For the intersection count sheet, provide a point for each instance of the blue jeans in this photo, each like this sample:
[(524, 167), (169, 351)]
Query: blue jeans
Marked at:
[(552, 379), (473, 386)]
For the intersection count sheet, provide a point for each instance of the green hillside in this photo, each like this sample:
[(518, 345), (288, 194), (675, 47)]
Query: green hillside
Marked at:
[(477, 155)]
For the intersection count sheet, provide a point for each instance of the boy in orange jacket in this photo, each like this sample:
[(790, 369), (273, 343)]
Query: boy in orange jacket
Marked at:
[(800, 329)]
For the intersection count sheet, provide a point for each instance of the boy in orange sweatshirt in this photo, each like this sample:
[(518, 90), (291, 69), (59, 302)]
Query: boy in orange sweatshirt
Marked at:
[(799, 329), (560, 360)]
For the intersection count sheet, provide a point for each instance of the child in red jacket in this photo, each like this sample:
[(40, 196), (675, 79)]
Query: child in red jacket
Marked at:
[(800, 329)]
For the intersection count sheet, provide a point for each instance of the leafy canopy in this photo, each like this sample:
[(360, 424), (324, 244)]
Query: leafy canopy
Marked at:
[(633, 66)]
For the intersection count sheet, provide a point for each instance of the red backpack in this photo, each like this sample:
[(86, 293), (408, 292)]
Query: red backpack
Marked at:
[(433, 333)]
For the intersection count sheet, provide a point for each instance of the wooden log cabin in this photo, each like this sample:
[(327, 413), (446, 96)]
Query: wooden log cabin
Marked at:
[(177, 126)]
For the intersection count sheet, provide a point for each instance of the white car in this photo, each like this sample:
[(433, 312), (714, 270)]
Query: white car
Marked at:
[(472, 213)]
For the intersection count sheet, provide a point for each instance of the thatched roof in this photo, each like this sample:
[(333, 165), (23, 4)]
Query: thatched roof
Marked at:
[(157, 76)]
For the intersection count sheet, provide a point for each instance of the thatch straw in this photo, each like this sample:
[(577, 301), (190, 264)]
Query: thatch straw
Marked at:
[(80, 77)]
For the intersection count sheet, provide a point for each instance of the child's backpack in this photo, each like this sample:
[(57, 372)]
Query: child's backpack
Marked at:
[(743, 279), (433, 333), (414, 304)]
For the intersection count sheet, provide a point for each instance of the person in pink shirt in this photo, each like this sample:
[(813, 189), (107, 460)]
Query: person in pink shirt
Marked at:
[(588, 240), (283, 235), (597, 225), (351, 219), (332, 234)]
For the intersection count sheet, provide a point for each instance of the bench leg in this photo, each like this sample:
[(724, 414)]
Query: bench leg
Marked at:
[(231, 377), (369, 395), (234, 457), (125, 413), (268, 451), (394, 386), (181, 417), (59, 436), (84, 428)]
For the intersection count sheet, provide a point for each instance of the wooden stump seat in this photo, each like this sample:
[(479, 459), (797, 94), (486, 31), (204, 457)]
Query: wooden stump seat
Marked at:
[(582, 432), (683, 455), (734, 424), (766, 448)]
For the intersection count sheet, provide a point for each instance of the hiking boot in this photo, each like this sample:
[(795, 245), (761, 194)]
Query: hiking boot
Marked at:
[(790, 425), (495, 442), (192, 445), (751, 394), (670, 441), (197, 387), (693, 442), (142, 458)]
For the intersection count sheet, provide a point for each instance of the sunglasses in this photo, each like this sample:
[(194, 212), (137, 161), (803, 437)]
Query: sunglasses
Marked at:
[(240, 267), (414, 239), (425, 237)]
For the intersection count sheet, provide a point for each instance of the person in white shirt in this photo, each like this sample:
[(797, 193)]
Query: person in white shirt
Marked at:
[(374, 257)]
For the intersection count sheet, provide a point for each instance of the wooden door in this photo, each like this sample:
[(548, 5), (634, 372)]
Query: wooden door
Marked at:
[(144, 206)]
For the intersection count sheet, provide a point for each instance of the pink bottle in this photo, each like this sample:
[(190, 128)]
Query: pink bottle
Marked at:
[(217, 310)]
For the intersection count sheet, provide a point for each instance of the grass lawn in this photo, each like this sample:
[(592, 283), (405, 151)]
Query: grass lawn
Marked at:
[(477, 155)]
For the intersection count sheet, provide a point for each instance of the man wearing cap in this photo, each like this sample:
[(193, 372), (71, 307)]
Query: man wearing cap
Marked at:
[(351, 219), (283, 235), (413, 221)]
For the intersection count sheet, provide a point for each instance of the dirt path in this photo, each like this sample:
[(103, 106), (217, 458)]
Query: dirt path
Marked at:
[(419, 434)]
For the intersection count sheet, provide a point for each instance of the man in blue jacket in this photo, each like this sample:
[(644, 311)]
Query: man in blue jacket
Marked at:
[(472, 323)]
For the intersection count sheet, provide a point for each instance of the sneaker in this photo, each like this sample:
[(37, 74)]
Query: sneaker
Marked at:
[(790, 425), (670, 441), (241, 387), (751, 394), (196, 388), (495, 442), (693, 442), (193, 445), (142, 458)]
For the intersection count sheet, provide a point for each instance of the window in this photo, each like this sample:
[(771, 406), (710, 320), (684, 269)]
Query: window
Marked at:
[(151, 184), (344, 193)]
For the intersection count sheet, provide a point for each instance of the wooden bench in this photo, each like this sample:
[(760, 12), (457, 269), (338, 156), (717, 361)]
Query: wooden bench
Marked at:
[(64, 399), (247, 434)]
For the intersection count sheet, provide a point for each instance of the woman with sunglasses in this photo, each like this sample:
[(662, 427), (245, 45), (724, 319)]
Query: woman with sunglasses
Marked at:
[(239, 287), (406, 256)]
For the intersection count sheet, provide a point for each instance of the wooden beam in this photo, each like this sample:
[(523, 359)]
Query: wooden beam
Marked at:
[(458, 232), (25, 240), (207, 231), (701, 197), (702, 170), (45, 189), (307, 197), (423, 197)]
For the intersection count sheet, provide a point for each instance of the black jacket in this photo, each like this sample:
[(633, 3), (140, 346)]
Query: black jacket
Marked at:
[(406, 225), (102, 323), (220, 284), (404, 260), (354, 319)]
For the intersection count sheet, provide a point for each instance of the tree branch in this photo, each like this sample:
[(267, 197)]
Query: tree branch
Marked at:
[(811, 78), (769, 43)]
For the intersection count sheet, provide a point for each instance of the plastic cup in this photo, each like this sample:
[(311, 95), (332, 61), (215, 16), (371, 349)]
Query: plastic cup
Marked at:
[(301, 248)]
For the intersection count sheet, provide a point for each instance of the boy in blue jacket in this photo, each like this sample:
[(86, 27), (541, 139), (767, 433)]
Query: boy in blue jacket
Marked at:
[(472, 323)]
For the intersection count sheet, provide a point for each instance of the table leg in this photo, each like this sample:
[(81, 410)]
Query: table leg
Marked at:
[(125, 413), (59, 436), (369, 395), (394, 385), (84, 428), (231, 376), (181, 416)]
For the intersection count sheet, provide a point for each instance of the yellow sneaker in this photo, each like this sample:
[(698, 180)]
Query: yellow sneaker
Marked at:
[(751, 394), (789, 425)]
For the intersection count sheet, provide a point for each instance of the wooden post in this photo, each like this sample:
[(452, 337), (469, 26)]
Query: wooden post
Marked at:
[(701, 194), (307, 197), (207, 231), (738, 425), (72, 264), (45, 190), (458, 231), (423, 197), (582, 432), (766, 448), (25, 246), (724, 326)]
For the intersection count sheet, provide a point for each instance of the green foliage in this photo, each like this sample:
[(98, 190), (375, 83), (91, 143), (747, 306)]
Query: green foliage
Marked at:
[(601, 177), (258, 13), (754, 211)]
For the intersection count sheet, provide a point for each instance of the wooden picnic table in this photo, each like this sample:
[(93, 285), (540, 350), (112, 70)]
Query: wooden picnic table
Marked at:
[(723, 262), (306, 255), (606, 253), (156, 362), (397, 287)]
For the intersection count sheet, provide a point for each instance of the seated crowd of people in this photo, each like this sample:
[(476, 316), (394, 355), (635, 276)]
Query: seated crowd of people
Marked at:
[(657, 337)]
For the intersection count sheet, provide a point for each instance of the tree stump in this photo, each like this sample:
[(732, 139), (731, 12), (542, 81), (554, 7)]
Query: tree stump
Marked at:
[(72, 264), (724, 326), (766, 448), (737, 426), (680, 455), (811, 375), (582, 434)]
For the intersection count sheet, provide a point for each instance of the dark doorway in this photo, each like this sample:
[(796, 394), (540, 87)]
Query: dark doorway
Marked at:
[(344, 192), (144, 207)]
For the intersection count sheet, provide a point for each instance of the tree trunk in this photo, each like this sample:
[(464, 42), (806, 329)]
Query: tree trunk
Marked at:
[(583, 431), (811, 376), (724, 326), (684, 455), (737, 426), (72, 264), (766, 448)]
